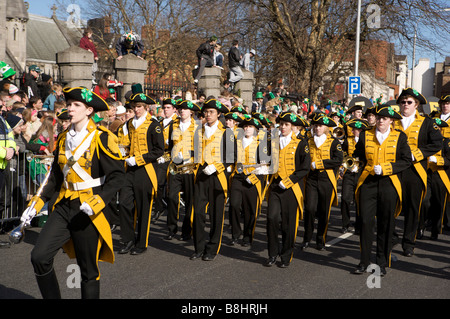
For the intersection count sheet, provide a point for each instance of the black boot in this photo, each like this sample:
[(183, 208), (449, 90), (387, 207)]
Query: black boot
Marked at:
[(90, 289), (48, 285)]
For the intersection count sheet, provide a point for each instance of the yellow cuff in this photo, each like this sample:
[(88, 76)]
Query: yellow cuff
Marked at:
[(219, 167), (252, 178), (386, 168), (440, 161), (139, 160), (418, 156), (39, 203), (96, 203), (287, 182)]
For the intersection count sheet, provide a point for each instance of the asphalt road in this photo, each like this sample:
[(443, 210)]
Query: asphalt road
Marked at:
[(164, 271)]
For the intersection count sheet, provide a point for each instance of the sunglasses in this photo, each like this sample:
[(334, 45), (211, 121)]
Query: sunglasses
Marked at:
[(407, 102)]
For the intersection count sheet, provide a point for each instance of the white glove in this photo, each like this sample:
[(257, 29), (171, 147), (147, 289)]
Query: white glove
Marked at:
[(85, 208), (432, 159), (161, 160), (282, 185), (249, 181), (412, 156), (28, 215), (354, 169), (313, 165), (210, 169), (377, 169), (131, 161)]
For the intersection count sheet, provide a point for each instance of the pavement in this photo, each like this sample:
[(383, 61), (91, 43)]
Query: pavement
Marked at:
[(165, 272)]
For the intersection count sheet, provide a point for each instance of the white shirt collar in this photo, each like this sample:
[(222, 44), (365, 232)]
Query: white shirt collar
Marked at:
[(209, 130), (382, 136), (138, 121), (168, 120), (406, 121), (74, 138), (246, 141), (285, 140), (319, 140), (184, 126)]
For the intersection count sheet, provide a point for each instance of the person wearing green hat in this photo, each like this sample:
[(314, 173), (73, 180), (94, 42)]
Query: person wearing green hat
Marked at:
[(28, 83), (86, 174), (321, 182), (7, 75), (385, 155), (257, 105), (424, 141)]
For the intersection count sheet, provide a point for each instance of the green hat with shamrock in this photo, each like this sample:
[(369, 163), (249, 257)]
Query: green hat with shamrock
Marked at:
[(86, 96), (5, 70)]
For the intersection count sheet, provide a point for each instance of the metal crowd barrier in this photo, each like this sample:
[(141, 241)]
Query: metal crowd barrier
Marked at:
[(21, 183)]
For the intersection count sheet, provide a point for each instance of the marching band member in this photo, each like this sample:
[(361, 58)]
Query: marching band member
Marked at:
[(247, 186), (385, 153), (285, 201), (211, 185), (182, 140), (351, 175), (321, 182), (87, 174), (140, 185), (439, 165), (424, 141), (169, 111)]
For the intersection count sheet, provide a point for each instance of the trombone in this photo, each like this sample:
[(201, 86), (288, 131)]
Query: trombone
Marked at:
[(241, 168)]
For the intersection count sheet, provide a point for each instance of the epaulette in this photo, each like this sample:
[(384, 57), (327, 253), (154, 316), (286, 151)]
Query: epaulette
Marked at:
[(112, 147)]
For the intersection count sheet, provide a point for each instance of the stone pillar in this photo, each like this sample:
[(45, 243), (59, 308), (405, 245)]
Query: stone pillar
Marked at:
[(75, 67), (245, 86), (129, 70), (209, 82)]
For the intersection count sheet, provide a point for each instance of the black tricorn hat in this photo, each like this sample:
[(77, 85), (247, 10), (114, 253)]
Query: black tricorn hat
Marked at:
[(141, 97), (444, 98), (63, 115), (188, 105), (414, 93), (239, 109), (86, 96), (291, 118), (358, 123), (248, 120), (169, 101), (440, 122), (387, 111), (322, 119), (233, 116), (215, 104)]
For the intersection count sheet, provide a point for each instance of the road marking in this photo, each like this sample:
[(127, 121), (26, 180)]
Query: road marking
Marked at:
[(338, 239)]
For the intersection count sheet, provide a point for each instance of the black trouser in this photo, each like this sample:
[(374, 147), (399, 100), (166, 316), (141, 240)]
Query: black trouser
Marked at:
[(412, 188), (377, 201), (282, 209), (136, 199), (438, 203), (318, 200), (161, 175), (349, 182), (180, 183), (243, 196), (209, 198), (64, 223)]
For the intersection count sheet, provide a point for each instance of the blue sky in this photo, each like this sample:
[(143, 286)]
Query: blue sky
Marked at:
[(42, 7)]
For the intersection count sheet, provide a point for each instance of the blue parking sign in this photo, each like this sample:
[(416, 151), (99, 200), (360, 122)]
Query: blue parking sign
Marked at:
[(354, 85)]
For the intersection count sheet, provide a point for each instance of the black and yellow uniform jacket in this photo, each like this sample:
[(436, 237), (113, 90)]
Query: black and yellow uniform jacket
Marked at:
[(93, 176), (394, 156)]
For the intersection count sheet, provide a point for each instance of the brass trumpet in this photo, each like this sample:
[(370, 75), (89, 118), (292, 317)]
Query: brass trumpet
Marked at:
[(188, 168), (339, 133), (350, 163)]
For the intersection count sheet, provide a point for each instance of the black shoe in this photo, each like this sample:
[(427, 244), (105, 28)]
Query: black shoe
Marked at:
[(382, 271), (157, 215), (420, 233), (270, 262), (137, 251), (408, 252), (245, 244), (5, 244), (344, 230), (304, 245), (185, 237), (284, 265), (320, 247), (170, 236), (208, 257), (233, 242), (195, 256), (360, 269), (434, 236), (126, 247)]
